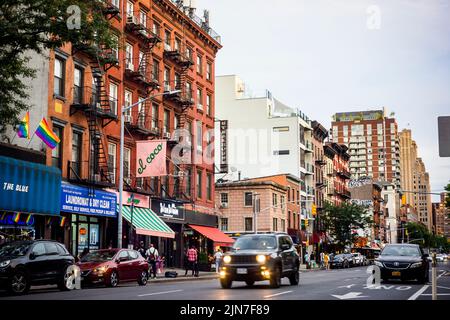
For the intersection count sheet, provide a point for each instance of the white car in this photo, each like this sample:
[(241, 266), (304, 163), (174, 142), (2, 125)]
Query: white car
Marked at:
[(358, 259), (440, 257)]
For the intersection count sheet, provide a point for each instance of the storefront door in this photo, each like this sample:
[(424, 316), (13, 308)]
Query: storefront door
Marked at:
[(85, 234)]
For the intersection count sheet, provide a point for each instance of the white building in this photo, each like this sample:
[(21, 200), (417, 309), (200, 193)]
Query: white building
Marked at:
[(265, 137), (391, 212)]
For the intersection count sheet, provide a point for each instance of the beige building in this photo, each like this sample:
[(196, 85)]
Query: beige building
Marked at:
[(235, 202), (415, 179)]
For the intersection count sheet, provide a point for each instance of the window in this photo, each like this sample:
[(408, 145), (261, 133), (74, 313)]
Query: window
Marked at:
[(58, 79), (154, 116), (129, 56), (280, 152), (143, 18), (167, 39), (188, 90), (78, 85), (116, 3), (141, 113), (123, 255), (208, 71), (51, 248), (199, 184), (275, 224), (156, 28), (209, 186), (283, 225), (283, 202), (274, 199), (248, 224), (115, 51), (199, 136), (280, 129), (39, 249), (208, 104), (248, 199), (126, 163), (142, 63), (199, 64), (178, 44), (167, 79), (224, 198), (164, 187), (379, 128), (224, 224), (345, 131), (129, 9), (133, 254), (188, 182), (57, 151), (166, 127), (128, 101), (155, 70), (113, 97), (357, 129), (189, 53), (112, 162), (177, 81), (76, 152), (289, 194), (200, 98)]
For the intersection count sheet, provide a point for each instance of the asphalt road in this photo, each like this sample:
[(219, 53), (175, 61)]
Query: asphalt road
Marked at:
[(342, 284)]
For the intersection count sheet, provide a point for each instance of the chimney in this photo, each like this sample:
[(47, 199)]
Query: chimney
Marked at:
[(239, 176)]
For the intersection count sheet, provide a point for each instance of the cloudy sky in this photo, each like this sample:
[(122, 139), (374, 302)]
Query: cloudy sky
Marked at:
[(326, 56)]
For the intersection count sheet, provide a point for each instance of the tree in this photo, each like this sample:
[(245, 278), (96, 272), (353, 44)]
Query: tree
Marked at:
[(341, 221), (28, 26), (418, 233)]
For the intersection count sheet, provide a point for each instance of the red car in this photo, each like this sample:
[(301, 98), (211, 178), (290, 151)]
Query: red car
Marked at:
[(110, 266)]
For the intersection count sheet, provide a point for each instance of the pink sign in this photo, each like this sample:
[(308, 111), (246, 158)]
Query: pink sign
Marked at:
[(151, 158), (140, 200)]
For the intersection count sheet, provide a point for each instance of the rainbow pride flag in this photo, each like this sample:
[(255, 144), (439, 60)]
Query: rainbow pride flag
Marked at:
[(28, 219), (46, 134), (17, 217), (63, 221), (23, 130)]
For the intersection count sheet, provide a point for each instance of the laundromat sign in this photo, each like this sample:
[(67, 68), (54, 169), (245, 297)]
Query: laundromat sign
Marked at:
[(76, 199)]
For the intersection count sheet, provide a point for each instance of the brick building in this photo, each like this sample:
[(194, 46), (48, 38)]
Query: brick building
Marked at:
[(340, 175)]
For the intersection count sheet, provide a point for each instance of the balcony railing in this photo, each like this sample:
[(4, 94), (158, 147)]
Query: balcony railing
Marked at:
[(176, 55), (184, 97), (89, 99), (142, 124), (138, 71), (137, 28)]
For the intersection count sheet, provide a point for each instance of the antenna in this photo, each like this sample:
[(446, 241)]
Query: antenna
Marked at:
[(206, 17)]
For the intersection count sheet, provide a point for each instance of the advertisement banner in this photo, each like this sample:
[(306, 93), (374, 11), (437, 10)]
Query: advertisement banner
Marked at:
[(168, 209), (151, 158)]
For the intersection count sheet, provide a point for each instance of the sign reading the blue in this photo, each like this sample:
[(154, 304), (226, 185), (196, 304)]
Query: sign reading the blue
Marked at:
[(76, 199)]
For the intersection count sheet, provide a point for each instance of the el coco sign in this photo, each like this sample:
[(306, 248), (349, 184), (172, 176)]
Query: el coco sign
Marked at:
[(151, 158)]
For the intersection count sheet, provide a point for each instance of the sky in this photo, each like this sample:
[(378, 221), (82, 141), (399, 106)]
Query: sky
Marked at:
[(327, 56)]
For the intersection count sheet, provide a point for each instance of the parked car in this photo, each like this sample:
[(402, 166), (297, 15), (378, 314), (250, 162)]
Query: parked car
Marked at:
[(440, 257), (358, 259), (340, 261), (40, 262), (403, 261), (260, 257), (111, 266)]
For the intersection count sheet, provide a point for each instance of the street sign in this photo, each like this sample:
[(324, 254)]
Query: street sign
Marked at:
[(444, 136)]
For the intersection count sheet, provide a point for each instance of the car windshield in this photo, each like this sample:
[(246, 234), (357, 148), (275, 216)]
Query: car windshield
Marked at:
[(14, 249), (255, 243), (406, 251), (99, 256)]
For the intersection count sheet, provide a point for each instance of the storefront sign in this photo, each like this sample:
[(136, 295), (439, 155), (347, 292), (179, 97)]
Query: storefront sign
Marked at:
[(223, 146), (76, 199), (168, 209), (29, 187), (151, 158)]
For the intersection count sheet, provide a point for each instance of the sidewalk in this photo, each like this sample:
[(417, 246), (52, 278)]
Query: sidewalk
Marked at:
[(304, 269), (203, 275)]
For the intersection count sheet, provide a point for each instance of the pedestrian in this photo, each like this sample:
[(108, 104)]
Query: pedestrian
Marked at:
[(312, 259), (152, 255), (218, 257), (307, 259), (326, 259), (322, 256), (142, 250), (192, 259)]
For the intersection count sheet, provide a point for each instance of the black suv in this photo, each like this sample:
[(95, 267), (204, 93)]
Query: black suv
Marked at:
[(260, 257), (26, 263)]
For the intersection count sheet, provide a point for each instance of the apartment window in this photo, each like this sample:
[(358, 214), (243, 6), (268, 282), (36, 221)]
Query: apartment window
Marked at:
[(115, 51), (283, 202), (200, 98), (177, 81), (126, 163), (178, 44), (335, 131), (280, 152), (280, 129), (224, 198), (248, 224), (58, 79), (154, 116), (78, 85), (199, 136), (116, 3), (128, 101), (208, 71), (142, 63), (112, 162), (113, 97), (199, 64), (189, 53), (188, 90), (274, 199), (275, 224), (188, 182), (141, 113), (156, 28), (209, 182), (208, 104), (76, 152), (143, 18), (129, 56), (345, 131), (357, 130), (166, 121), (129, 9), (57, 151), (224, 224), (199, 184), (283, 225), (155, 70), (379, 128), (167, 79), (167, 39), (248, 199), (164, 184)]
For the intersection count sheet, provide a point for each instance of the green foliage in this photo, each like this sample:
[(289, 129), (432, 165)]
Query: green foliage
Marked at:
[(340, 221), (28, 26), (418, 231)]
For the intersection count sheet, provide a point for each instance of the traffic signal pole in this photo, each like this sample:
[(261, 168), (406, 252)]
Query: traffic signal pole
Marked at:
[(433, 277)]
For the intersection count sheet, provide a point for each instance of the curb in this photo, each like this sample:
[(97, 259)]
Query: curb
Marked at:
[(182, 279)]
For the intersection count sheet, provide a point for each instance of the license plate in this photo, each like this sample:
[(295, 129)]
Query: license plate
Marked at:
[(241, 271), (396, 273)]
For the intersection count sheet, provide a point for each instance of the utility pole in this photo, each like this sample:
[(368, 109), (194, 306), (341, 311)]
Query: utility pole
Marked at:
[(255, 211), (433, 277)]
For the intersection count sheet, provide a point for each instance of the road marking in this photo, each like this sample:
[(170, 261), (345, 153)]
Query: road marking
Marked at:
[(418, 293), (277, 294), (156, 293), (443, 287), (438, 294), (348, 287), (350, 295)]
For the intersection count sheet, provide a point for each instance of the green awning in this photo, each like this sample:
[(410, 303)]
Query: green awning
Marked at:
[(147, 222)]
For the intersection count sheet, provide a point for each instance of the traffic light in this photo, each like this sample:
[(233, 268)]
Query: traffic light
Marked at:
[(403, 199), (314, 209), (306, 222)]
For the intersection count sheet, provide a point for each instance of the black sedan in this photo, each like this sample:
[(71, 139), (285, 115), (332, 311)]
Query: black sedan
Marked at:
[(403, 261), (340, 261)]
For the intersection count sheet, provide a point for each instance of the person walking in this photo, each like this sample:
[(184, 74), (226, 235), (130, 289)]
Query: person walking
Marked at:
[(152, 255), (326, 259), (192, 259), (218, 257), (322, 256), (307, 259), (142, 250), (312, 259)]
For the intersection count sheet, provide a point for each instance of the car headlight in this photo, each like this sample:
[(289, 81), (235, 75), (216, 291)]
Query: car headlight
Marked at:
[(261, 258), (101, 269), (227, 259), (416, 265), (5, 263), (378, 263)]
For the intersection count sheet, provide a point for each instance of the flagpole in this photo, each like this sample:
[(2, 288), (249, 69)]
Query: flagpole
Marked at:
[(31, 139), (15, 135)]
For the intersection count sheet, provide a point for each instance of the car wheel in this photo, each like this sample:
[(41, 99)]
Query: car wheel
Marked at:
[(294, 278), (19, 283), (67, 281), (113, 279), (250, 282), (226, 283), (275, 279), (143, 278)]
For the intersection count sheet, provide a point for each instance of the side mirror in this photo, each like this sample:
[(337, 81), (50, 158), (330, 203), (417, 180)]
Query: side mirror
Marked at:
[(117, 260), (285, 246)]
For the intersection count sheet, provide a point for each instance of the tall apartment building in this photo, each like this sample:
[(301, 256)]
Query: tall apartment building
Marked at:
[(372, 139), (415, 179), (163, 47)]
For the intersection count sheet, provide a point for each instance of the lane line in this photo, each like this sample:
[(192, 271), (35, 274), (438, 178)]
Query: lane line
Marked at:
[(277, 294), (438, 294), (418, 293), (156, 293), (443, 287)]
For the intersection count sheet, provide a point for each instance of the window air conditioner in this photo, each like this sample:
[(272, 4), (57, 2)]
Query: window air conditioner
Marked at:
[(224, 205), (128, 119), (130, 66), (132, 19), (200, 106), (166, 135), (167, 47)]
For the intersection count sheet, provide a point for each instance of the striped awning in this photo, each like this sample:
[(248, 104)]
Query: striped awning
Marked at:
[(147, 222)]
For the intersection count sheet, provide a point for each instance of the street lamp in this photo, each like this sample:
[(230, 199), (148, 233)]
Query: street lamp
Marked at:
[(122, 134)]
